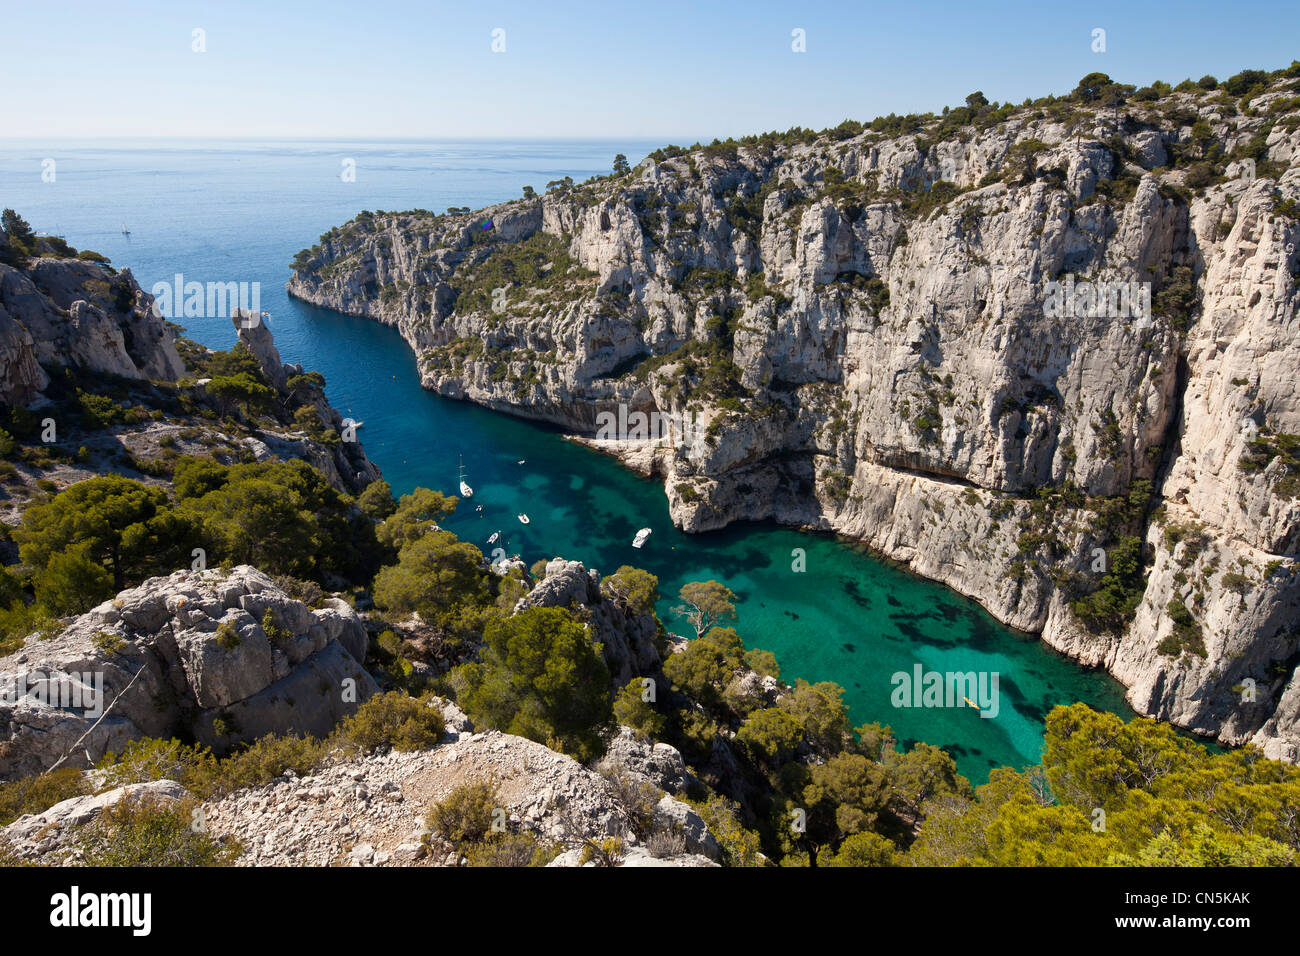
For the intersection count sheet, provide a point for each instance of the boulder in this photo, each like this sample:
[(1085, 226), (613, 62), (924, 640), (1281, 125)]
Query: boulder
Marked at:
[(181, 655)]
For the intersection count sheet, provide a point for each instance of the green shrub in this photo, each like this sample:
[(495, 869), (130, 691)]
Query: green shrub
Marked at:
[(227, 636), (203, 774), (37, 794), (1115, 600), (639, 589), (465, 816), (632, 710), (143, 832), (740, 847), (308, 592), (1187, 632), (510, 850), (541, 677), (98, 411), (259, 763), (394, 720), (376, 501), (436, 575), (272, 629), (109, 642)]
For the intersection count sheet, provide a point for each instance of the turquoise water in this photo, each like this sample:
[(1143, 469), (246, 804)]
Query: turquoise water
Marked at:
[(239, 211)]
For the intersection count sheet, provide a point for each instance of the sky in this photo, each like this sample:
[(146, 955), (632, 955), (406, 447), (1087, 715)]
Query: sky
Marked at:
[(666, 69)]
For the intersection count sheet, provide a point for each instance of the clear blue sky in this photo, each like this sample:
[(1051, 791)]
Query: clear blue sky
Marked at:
[(666, 69)]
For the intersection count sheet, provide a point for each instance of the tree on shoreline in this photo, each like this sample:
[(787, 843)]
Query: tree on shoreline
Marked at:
[(705, 604)]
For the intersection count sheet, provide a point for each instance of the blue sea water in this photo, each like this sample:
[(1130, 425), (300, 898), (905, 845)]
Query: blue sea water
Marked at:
[(237, 211)]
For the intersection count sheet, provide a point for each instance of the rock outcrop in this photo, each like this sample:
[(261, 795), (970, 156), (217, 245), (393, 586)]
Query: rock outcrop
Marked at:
[(65, 312), (184, 655), (370, 810), (627, 639), (886, 335), (51, 835), (343, 462)]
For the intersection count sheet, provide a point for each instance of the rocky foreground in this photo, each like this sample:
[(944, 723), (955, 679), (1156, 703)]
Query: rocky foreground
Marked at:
[(187, 655), (867, 328), (225, 657), (371, 811)]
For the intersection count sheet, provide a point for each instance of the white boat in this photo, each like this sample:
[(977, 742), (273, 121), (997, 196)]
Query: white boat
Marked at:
[(641, 537), (493, 539), (125, 231), (521, 461), (465, 490), (523, 519)]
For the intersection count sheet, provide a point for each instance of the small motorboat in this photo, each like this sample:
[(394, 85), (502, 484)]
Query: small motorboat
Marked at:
[(520, 462), (465, 490), (523, 519), (640, 538), (493, 539)]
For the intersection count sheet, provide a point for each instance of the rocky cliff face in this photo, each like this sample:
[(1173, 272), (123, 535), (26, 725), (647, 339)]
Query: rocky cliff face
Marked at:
[(81, 320), (888, 335), (184, 656), (343, 462), (69, 312)]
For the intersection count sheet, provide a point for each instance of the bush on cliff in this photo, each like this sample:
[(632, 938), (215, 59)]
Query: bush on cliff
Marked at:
[(414, 516), (542, 678), (1166, 800), (440, 577), (393, 720), (122, 524), (283, 517), (142, 832), (465, 816), (37, 794), (98, 536)]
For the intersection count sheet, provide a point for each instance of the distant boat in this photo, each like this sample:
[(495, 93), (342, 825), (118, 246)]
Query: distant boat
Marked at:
[(640, 538), (465, 489), (521, 461), (493, 539), (523, 519), (125, 231)]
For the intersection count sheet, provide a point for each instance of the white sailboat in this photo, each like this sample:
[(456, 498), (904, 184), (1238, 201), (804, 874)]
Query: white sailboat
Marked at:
[(465, 490), (125, 231), (640, 538)]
